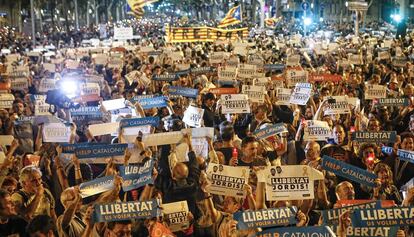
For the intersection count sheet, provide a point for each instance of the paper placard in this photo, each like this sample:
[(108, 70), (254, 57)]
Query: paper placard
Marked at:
[(296, 76), (222, 91), (227, 180), (114, 104), (283, 96), (270, 131), (316, 130), (46, 85), (375, 92), (90, 89), (51, 67), (165, 138), (382, 55), (136, 176), (134, 131), (405, 155), (301, 94), (193, 116), (56, 132), (177, 215), (265, 218), (200, 146), (103, 128), (341, 106), (123, 33), (183, 91), (99, 151), (235, 104), (262, 81), (218, 57), (155, 102), (246, 71), (119, 211), (72, 64), (227, 74), (307, 231), (293, 60), (255, 93), (96, 186)]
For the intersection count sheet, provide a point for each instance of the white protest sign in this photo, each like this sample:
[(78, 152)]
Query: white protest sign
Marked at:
[(90, 89), (100, 59), (56, 132), (202, 132), (103, 128), (227, 74), (233, 62), (6, 140), (115, 63), (51, 67), (340, 105), (255, 93), (355, 59), (316, 130), (46, 85), (290, 182), (193, 116), (72, 64), (387, 43), (262, 81), (165, 138), (41, 107), (296, 76), (218, 57), (134, 131), (6, 101), (246, 71), (235, 104), (200, 146), (375, 92), (383, 55), (114, 104), (227, 180), (283, 96), (123, 33), (19, 83), (176, 214), (301, 94), (293, 60)]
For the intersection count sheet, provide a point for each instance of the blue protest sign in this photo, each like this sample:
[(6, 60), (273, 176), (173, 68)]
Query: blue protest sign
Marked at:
[(155, 102), (352, 231), (378, 137), (182, 73), (118, 211), (136, 176), (308, 231), (265, 218), (387, 150), (96, 186), (184, 91), (349, 171), (70, 148), (396, 216), (393, 102), (331, 216), (165, 77), (135, 122), (274, 67), (87, 111), (406, 155), (270, 131), (105, 150)]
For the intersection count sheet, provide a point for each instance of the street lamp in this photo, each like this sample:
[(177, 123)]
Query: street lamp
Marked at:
[(307, 21)]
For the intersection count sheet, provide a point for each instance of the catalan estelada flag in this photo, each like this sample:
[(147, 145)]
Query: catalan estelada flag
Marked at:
[(136, 7), (234, 16), (270, 22)]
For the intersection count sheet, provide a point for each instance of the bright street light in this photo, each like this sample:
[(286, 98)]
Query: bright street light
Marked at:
[(307, 21), (397, 18)]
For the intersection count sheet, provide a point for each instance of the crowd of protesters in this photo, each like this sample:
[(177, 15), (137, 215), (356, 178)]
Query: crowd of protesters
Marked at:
[(43, 197)]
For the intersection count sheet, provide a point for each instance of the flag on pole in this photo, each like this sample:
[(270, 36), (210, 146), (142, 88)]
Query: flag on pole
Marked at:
[(234, 16), (271, 22), (136, 7)]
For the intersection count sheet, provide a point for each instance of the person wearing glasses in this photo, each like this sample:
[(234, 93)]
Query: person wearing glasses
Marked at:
[(33, 198)]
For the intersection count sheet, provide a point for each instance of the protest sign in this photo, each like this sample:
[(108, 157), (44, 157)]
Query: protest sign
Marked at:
[(218, 57), (203, 34), (86, 111), (235, 104), (290, 182), (399, 61), (316, 130), (382, 55), (348, 171), (293, 60), (96, 186), (183, 91), (246, 71), (193, 116), (90, 89), (72, 64), (405, 155), (165, 138), (201, 70), (375, 92), (255, 93), (114, 104), (201, 132), (265, 218), (324, 77), (51, 67), (41, 107), (119, 211), (227, 74), (6, 101), (136, 176), (340, 105), (283, 96), (131, 133), (378, 137), (103, 128), (176, 213), (46, 84), (99, 151), (222, 91), (355, 59), (262, 81), (134, 122), (155, 102), (165, 77), (270, 131), (294, 76), (123, 33), (301, 94), (308, 231), (6, 140), (56, 132), (227, 180), (200, 146), (393, 102), (352, 231), (395, 216)]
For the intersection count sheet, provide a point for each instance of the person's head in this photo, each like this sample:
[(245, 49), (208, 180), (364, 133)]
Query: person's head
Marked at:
[(6, 204), (384, 173), (261, 112), (119, 229), (308, 113), (180, 171), (41, 226), (374, 125), (67, 197), (407, 141), (338, 134), (411, 124), (30, 178), (249, 146), (345, 191), (9, 184), (383, 114), (209, 99), (312, 150), (368, 154), (18, 107), (227, 134), (231, 204)]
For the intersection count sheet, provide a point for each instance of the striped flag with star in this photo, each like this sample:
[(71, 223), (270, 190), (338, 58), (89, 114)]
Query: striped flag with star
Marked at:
[(136, 7), (270, 22), (232, 17)]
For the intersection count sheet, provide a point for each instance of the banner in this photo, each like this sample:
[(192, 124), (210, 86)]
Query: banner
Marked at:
[(294, 76), (183, 91), (349, 171), (270, 131), (324, 77), (135, 122), (202, 70), (193, 116), (340, 105), (203, 34), (222, 91), (331, 216), (405, 155), (393, 102), (123, 33), (165, 77), (56, 132), (235, 104), (290, 182), (316, 131), (265, 218), (176, 214), (119, 211), (165, 138), (375, 92), (155, 102), (103, 128), (352, 231), (283, 96), (378, 137), (136, 176), (86, 111), (227, 180), (309, 231), (396, 216), (301, 94), (99, 151), (255, 93), (96, 186)]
